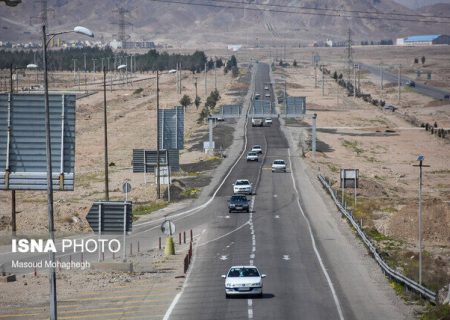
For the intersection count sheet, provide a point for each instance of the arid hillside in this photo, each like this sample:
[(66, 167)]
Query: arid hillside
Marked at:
[(217, 23)]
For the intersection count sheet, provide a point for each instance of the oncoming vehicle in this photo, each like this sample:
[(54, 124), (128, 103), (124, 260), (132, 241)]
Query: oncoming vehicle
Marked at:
[(257, 148), (257, 122), (268, 121), (279, 165), (242, 186), (257, 96), (238, 203), (243, 280), (252, 156), (267, 95)]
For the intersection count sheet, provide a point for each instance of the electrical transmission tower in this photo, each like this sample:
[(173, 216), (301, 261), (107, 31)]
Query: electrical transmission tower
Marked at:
[(122, 17), (349, 54), (42, 18)]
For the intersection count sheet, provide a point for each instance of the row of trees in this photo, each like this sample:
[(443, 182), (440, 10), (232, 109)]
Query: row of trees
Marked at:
[(63, 60)]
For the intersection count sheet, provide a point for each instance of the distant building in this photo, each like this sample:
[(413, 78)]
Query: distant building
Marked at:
[(423, 40)]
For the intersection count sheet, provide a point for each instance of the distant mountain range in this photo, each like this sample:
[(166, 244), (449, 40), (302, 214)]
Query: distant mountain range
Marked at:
[(215, 23), (415, 4)]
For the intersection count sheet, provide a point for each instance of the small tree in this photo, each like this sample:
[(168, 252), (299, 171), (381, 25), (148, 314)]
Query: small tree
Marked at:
[(423, 60), (197, 102), (294, 63), (335, 75), (340, 76), (435, 124), (416, 60), (281, 63), (185, 101)]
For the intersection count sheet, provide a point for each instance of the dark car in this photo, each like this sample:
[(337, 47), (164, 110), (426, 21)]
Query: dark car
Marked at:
[(238, 203), (410, 83)]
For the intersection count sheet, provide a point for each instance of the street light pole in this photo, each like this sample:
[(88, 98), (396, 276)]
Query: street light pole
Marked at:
[(52, 273), (158, 181), (48, 154)]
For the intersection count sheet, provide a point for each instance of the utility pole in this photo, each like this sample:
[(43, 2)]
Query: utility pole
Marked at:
[(315, 75), (13, 192), (180, 78), (206, 88), (420, 158), (158, 184), (399, 81), (215, 76), (105, 133), (349, 53), (85, 79), (323, 79), (354, 80)]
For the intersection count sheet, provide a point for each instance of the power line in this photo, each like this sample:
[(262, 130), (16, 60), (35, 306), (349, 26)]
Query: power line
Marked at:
[(336, 10), (302, 13)]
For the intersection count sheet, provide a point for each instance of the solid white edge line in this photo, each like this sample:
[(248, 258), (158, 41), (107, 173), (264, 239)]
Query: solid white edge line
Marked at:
[(244, 149), (313, 241), (178, 295)]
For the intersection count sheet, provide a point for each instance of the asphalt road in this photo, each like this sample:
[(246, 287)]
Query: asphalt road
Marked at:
[(278, 239), (313, 269), (419, 88)]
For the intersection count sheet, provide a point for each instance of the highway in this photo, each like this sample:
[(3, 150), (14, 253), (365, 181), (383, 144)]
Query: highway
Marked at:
[(276, 237), (315, 267), (429, 91)]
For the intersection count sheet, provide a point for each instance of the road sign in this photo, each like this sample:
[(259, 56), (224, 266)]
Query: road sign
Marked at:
[(109, 215), (145, 161), (168, 228), (164, 175), (23, 159), (171, 128), (126, 187)]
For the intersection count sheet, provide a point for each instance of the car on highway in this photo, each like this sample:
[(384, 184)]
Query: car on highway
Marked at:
[(268, 121), (267, 95), (410, 83), (266, 87), (257, 148), (238, 203), (243, 280), (279, 165), (242, 186), (257, 96), (252, 156), (257, 122)]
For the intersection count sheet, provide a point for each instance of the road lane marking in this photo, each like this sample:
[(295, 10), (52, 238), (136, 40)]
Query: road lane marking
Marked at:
[(250, 313), (286, 257), (252, 256), (313, 241), (223, 258), (223, 236), (277, 217), (250, 302)]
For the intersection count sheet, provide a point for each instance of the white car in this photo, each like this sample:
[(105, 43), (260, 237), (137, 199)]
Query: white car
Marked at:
[(268, 121), (242, 186), (243, 280), (279, 165), (252, 156), (267, 95), (266, 88), (257, 148)]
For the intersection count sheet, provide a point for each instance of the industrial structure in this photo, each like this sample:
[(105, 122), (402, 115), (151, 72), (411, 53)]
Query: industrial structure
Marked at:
[(424, 40)]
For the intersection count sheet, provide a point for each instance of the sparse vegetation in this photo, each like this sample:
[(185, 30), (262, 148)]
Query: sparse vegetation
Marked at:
[(147, 209), (354, 146)]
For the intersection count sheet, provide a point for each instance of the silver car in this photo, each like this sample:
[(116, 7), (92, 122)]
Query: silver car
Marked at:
[(279, 165)]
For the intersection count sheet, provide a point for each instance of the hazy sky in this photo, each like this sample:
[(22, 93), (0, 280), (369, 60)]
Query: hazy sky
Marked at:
[(420, 3)]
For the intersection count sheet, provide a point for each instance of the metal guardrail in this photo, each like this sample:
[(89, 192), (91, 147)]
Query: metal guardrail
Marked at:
[(397, 276)]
